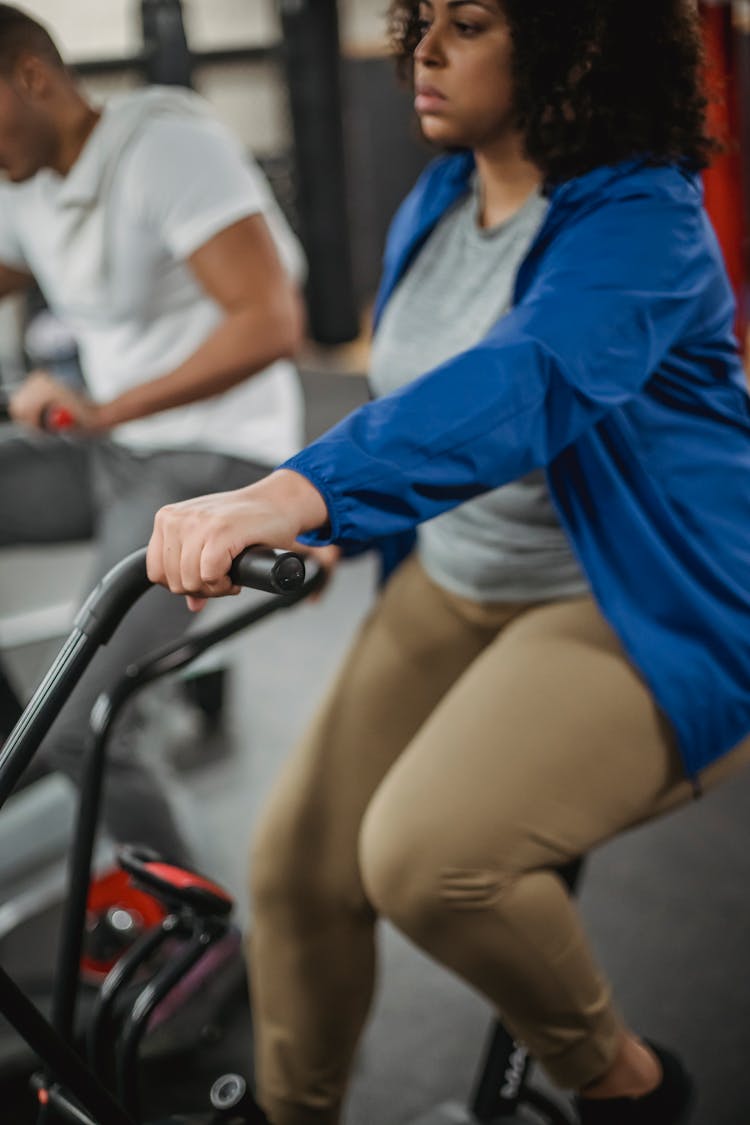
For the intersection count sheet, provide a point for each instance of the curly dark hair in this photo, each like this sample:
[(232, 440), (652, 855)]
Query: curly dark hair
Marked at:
[(597, 81)]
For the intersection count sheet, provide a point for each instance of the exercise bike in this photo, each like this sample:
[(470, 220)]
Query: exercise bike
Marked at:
[(103, 1087), (69, 1090)]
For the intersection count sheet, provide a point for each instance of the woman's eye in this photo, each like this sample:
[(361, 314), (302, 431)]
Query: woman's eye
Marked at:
[(423, 26), (467, 28)]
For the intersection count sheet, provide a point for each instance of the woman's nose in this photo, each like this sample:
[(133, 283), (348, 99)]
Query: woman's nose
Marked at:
[(428, 51)]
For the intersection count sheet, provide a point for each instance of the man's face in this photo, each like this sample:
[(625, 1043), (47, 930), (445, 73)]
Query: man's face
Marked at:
[(27, 134)]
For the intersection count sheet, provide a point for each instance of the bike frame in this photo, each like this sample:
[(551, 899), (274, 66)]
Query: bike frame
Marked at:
[(94, 625)]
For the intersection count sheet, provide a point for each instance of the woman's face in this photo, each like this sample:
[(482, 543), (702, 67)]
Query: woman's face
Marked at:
[(462, 73)]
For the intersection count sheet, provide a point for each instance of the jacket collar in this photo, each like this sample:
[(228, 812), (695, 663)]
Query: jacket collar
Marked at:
[(447, 179)]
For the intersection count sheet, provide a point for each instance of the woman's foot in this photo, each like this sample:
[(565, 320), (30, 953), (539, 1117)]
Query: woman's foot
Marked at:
[(667, 1102), (635, 1071)]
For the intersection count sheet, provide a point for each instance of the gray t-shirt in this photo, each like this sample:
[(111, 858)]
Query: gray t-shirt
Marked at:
[(506, 545)]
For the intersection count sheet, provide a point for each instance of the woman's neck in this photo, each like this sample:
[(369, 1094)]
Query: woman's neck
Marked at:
[(506, 179)]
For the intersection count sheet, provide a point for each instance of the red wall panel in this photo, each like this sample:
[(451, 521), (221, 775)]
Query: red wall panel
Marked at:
[(723, 180)]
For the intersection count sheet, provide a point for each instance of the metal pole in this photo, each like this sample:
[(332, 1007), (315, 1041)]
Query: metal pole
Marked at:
[(313, 72)]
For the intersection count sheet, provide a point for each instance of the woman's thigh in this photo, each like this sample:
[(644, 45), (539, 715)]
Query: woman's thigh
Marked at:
[(414, 645), (548, 744)]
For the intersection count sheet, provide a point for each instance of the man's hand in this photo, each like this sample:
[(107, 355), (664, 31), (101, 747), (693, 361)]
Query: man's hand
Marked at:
[(194, 543), (41, 393)]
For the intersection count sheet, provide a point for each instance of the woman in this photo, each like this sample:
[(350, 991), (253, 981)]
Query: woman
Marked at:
[(565, 655)]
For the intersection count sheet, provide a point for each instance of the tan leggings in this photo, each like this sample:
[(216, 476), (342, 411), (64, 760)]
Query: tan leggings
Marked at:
[(464, 752)]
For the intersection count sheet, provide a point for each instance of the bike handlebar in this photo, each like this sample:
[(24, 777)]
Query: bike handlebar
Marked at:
[(277, 572), (55, 419), (264, 568), (256, 568)]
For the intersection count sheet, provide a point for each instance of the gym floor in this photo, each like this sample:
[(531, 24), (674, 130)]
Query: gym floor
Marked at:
[(666, 905)]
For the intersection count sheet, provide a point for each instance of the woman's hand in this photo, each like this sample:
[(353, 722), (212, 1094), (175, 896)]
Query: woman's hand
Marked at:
[(194, 543), (41, 393)]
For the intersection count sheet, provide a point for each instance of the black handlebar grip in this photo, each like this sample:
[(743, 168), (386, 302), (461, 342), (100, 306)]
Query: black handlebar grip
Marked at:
[(275, 572)]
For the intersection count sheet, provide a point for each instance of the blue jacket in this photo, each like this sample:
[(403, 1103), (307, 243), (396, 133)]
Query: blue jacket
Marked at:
[(618, 371)]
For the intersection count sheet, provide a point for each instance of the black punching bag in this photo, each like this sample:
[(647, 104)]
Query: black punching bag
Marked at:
[(166, 52)]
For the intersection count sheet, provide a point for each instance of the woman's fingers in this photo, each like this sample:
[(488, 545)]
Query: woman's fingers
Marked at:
[(195, 542), (155, 556), (217, 555), (170, 551), (193, 546)]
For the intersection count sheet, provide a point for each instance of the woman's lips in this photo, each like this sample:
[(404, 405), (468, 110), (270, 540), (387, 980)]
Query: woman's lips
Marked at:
[(428, 100)]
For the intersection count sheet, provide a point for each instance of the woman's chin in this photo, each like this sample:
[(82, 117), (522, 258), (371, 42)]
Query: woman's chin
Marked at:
[(439, 132)]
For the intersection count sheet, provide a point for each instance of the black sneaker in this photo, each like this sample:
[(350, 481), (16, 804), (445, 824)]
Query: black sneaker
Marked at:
[(668, 1104)]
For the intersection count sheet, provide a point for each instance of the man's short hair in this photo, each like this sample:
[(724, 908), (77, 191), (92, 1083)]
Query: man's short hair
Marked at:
[(19, 33)]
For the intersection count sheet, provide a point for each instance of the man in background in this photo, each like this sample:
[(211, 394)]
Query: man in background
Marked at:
[(158, 244)]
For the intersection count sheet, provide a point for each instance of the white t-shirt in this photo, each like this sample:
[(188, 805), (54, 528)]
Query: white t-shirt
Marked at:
[(157, 179)]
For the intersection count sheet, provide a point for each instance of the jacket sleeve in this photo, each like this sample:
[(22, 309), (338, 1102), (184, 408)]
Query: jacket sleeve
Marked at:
[(615, 290)]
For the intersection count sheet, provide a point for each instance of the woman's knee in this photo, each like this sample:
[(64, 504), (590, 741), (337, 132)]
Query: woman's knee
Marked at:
[(419, 878), (299, 867), (272, 864)]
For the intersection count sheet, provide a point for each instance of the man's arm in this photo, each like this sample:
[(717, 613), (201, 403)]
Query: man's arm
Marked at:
[(241, 270), (12, 280)]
